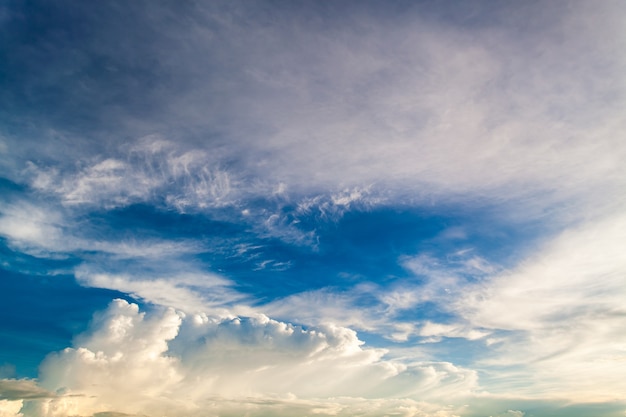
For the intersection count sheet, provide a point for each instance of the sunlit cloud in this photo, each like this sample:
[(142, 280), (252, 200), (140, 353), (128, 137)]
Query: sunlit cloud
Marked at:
[(182, 362)]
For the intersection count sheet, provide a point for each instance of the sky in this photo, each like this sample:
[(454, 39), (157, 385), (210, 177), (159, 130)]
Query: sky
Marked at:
[(312, 208)]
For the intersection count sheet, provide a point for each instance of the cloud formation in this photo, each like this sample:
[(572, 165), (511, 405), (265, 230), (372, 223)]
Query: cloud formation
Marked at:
[(564, 308), (416, 107), (186, 363), (152, 168), (22, 389)]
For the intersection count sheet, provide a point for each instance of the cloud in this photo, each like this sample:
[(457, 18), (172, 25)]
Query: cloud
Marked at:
[(560, 313), (14, 393), (31, 228), (150, 168), (46, 230), (436, 122), (556, 314), (416, 110), (123, 263), (267, 118), (435, 331), (190, 291), (22, 389), (10, 408), (515, 413), (390, 309), (137, 363)]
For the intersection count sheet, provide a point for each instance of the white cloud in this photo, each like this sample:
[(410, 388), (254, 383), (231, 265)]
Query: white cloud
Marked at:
[(11, 408), (14, 392), (385, 309), (557, 314), (578, 273), (31, 228), (121, 361), (451, 113), (417, 111), (151, 167), (132, 362), (562, 311), (515, 413), (438, 281), (186, 289), (430, 329), (328, 306), (45, 230)]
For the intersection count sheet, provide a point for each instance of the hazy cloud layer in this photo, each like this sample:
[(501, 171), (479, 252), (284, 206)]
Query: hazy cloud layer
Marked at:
[(419, 107)]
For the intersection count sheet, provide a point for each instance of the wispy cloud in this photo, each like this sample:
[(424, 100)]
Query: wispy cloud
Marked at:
[(151, 168), (188, 290), (564, 307), (390, 312), (46, 230), (418, 109)]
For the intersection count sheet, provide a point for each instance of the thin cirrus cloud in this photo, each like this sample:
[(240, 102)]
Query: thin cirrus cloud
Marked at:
[(329, 209), (150, 169)]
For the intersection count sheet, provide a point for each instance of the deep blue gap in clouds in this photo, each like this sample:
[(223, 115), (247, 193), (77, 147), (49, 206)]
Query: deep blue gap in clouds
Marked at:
[(361, 246), (366, 246), (149, 221)]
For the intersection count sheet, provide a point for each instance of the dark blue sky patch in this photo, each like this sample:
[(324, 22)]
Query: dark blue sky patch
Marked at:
[(149, 221), (20, 262), (372, 241), (361, 246), (7, 186)]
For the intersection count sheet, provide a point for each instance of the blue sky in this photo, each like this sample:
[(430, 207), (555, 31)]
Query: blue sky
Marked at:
[(312, 208)]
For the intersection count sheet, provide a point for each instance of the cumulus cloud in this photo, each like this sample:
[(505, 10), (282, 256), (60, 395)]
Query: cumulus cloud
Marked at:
[(11, 408), (138, 363)]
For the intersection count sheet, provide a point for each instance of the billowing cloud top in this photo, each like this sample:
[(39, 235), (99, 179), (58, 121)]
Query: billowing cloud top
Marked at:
[(349, 208)]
